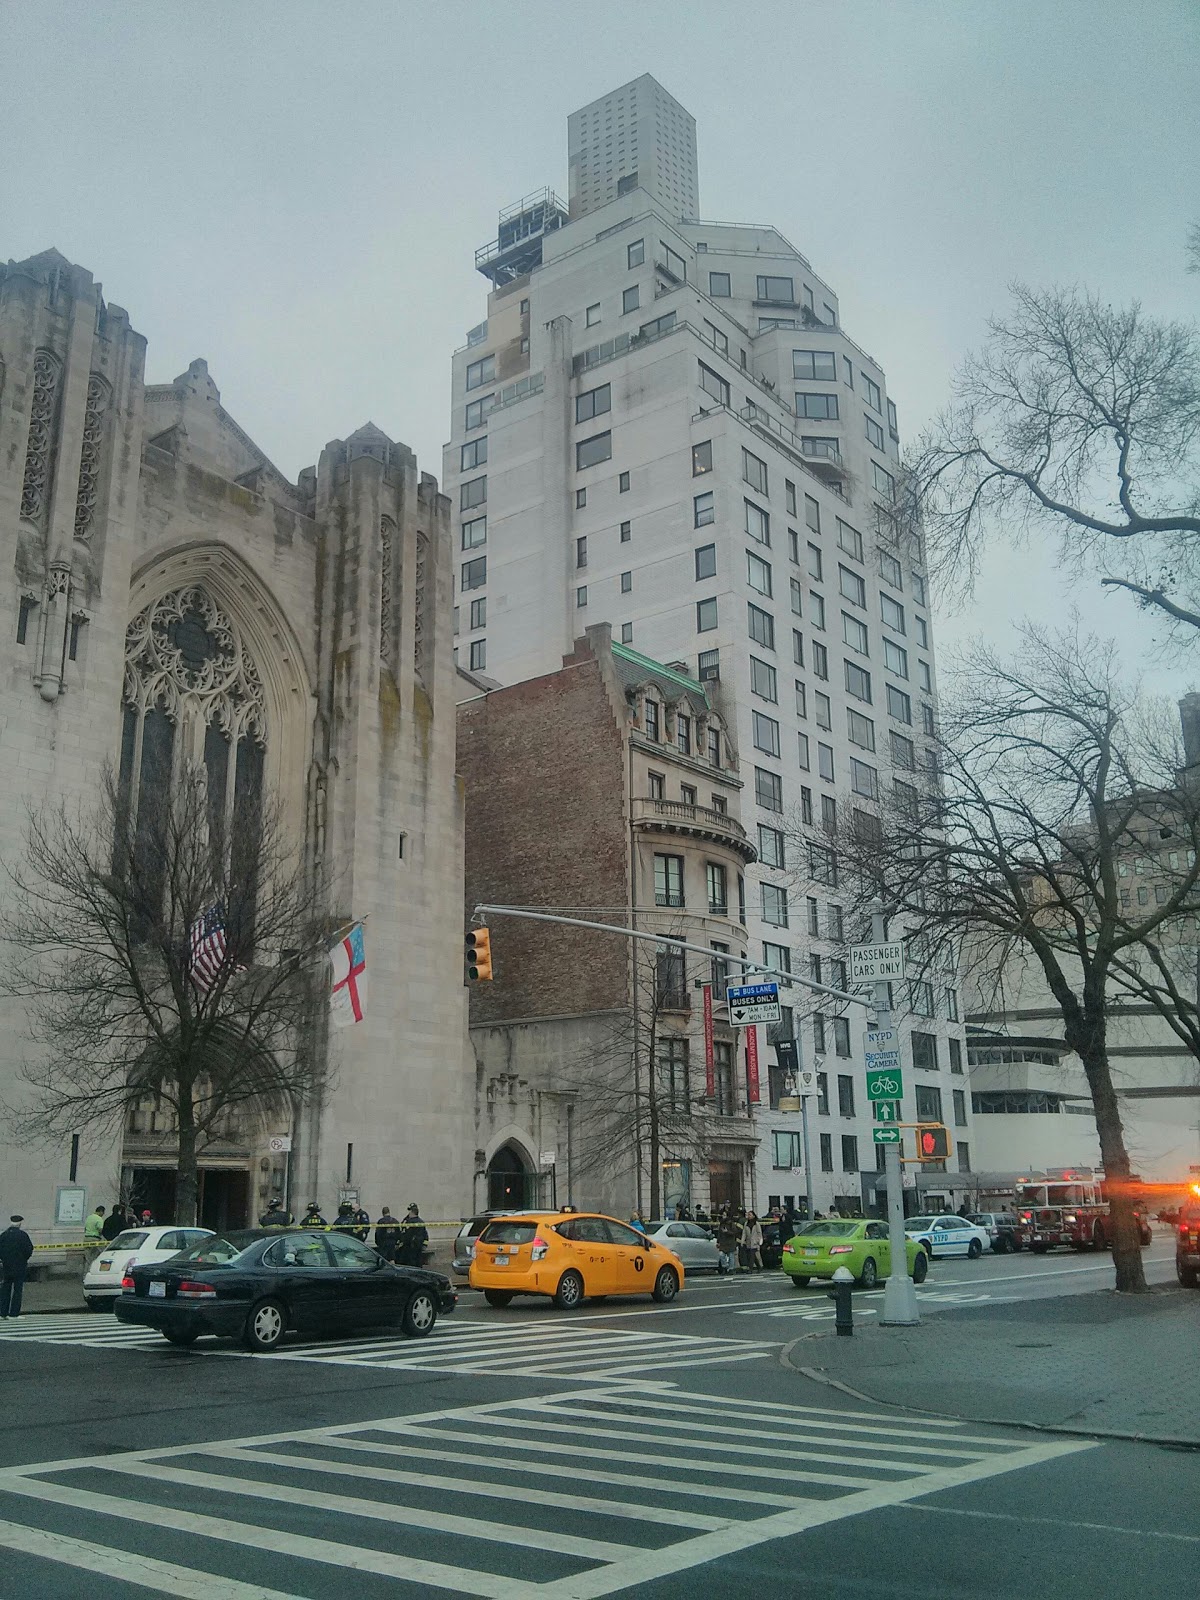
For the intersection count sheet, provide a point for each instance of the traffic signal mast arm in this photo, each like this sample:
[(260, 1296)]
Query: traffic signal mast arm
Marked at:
[(704, 950)]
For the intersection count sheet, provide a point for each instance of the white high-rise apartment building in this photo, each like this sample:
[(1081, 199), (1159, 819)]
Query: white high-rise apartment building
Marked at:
[(663, 425)]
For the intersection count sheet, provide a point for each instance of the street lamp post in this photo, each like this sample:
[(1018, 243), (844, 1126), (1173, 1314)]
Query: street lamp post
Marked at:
[(899, 1296)]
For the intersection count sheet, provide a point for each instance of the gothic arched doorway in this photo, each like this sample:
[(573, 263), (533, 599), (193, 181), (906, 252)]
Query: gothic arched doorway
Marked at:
[(510, 1183)]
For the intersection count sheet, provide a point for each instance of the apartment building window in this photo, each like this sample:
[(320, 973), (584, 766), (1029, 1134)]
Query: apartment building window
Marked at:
[(806, 810), (657, 786), (477, 411), (826, 1152), (837, 972), (854, 633), (763, 680), (671, 1060), (758, 574), (797, 647), (836, 932), (918, 587), (777, 957), (770, 846), (708, 666), (718, 896), (841, 1038), (766, 734), (845, 1095), (801, 699), (922, 632), (889, 570), (848, 371), (478, 613), (780, 290), (702, 458), (768, 789), (858, 682), (581, 595), (895, 659), (668, 880), (828, 813), (874, 433), (814, 562), (703, 511), (474, 533), (893, 423), (623, 483), (891, 613), (924, 678), (683, 734), (789, 497), (849, 1153), (761, 626), (872, 391), (860, 729), (802, 751), (718, 286), (650, 719), (593, 314), (899, 705), (822, 864), (472, 493), (814, 364), (825, 762), (774, 905), (959, 1098), (635, 253), (929, 1103), (21, 631), (956, 1061), (785, 1151), (594, 403), (591, 452), (580, 499), (631, 299), (714, 747), (820, 661), (725, 1102), (754, 471), (883, 481), (473, 454), (706, 615), (850, 540), (481, 372), (817, 407), (718, 340), (793, 546), (474, 574), (720, 969), (903, 752), (830, 314), (924, 1051), (758, 523), (796, 589), (581, 551), (920, 998), (864, 779), (478, 655), (714, 384)]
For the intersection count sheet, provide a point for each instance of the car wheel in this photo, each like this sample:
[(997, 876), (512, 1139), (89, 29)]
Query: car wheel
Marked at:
[(569, 1294), (1187, 1276), (1099, 1240), (974, 1250), (498, 1297), (799, 1282), (666, 1285), (869, 1276), (920, 1267), (265, 1326), (420, 1314), (183, 1336), (927, 1247)]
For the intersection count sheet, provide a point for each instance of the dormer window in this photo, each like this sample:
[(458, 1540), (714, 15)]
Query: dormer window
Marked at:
[(650, 720), (683, 734)]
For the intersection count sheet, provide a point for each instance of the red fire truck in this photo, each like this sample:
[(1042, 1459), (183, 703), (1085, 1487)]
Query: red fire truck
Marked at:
[(1068, 1206)]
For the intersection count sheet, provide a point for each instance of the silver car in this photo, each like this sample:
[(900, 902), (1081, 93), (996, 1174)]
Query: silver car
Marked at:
[(690, 1241)]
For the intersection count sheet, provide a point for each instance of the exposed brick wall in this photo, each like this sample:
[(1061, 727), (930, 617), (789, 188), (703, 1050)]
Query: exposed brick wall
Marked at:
[(544, 767)]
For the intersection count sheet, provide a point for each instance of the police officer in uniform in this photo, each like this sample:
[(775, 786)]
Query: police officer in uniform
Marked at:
[(362, 1224), (414, 1236), (387, 1232), (275, 1216), (344, 1221)]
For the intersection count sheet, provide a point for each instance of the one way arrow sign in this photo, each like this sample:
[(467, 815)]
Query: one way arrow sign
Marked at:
[(887, 1111)]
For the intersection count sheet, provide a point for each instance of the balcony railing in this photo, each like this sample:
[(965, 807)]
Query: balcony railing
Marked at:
[(677, 816)]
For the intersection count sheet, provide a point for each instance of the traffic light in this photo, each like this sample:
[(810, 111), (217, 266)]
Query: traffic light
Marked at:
[(479, 955), (933, 1142)]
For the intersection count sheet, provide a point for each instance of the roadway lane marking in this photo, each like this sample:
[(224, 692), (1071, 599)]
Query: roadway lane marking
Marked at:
[(1059, 1522), (129, 1566)]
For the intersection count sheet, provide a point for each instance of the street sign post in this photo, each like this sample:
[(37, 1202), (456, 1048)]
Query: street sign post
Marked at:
[(887, 1135), (885, 1085), (753, 1002), (881, 1046), (876, 963), (806, 1083)]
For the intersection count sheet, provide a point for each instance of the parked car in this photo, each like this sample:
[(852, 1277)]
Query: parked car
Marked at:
[(258, 1284), (1005, 1231), (464, 1240), (567, 1255), (860, 1245), (690, 1241), (1187, 1244), (947, 1235), (773, 1242), (133, 1247)]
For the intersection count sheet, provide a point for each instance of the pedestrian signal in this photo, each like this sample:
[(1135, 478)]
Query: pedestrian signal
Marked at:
[(479, 955), (933, 1142)]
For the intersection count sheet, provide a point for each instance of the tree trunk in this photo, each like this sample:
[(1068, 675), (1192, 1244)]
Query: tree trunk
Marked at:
[(187, 1173), (1127, 1245), (655, 1156)]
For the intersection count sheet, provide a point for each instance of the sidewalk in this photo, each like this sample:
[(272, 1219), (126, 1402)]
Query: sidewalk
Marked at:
[(1122, 1366)]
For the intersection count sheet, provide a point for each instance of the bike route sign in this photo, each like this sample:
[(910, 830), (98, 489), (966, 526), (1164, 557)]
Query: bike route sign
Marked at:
[(885, 1085)]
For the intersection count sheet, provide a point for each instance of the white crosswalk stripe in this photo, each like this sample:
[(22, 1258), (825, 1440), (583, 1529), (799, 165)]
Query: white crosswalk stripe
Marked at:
[(556, 1349), (581, 1493)]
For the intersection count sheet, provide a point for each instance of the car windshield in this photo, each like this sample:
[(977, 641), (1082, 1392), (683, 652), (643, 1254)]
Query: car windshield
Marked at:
[(128, 1241), (218, 1251), (827, 1230), (919, 1222), (508, 1233)]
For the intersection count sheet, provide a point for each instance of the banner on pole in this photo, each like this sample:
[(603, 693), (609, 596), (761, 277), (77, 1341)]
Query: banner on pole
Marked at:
[(710, 1075), (752, 1065)]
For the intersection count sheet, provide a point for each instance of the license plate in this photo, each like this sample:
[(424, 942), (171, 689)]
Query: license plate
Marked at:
[(105, 1266), (811, 1253), (157, 1291), (500, 1261)]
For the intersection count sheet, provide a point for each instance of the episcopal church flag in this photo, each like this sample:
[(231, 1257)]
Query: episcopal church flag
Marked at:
[(348, 996)]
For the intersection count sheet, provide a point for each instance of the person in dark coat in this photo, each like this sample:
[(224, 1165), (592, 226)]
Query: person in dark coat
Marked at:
[(362, 1223), (387, 1234), (312, 1218), (275, 1216), (114, 1223), (414, 1236), (16, 1247)]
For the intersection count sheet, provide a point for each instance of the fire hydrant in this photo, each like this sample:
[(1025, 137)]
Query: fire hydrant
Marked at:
[(843, 1286)]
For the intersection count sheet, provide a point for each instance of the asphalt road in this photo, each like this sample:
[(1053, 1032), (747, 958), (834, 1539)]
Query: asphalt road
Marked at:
[(626, 1449)]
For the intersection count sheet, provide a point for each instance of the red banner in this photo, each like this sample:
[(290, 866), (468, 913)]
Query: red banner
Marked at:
[(752, 1065), (710, 1075)]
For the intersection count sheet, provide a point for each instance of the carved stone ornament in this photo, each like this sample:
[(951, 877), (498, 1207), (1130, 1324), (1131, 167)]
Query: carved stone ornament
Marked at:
[(387, 529), (419, 613), (35, 486), (184, 650), (89, 461)]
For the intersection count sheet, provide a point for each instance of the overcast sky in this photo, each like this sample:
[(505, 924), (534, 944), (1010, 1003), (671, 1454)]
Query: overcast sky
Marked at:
[(295, 191)]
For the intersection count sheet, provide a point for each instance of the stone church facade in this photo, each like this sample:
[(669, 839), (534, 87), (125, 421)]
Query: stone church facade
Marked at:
[(128, 509)]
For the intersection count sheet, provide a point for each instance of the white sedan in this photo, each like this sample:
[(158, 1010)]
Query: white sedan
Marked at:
[(143, 1247), (691, 1242), (948, 1235)]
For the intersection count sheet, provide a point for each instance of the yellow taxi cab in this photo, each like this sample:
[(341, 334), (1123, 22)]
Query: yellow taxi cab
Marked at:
[(568, 1255)]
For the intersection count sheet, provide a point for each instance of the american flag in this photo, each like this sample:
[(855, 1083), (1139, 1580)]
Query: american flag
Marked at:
[(207, 947)]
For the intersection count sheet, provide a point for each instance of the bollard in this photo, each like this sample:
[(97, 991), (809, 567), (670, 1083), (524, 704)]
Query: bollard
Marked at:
[(843, 1286)]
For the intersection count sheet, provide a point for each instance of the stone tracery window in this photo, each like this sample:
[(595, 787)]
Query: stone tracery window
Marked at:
[(39, 454), (89, 461), (387, 541), (419, 639)]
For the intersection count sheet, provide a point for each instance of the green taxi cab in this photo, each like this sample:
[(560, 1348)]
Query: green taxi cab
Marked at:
[(862, 1247)]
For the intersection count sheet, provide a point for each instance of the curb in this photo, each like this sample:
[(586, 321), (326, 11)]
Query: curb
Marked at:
[(819, 1375)]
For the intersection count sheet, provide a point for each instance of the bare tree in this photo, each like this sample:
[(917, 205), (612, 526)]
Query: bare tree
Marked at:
[(157, 962), (1058, 792), (1080, 421)]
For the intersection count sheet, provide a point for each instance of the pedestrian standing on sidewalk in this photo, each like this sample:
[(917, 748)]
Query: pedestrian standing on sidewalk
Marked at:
[(728, 1236), (752, 1238), (16, 1247), (414, 1236), (387, 1232), (114, 1223), (93, 1236)]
